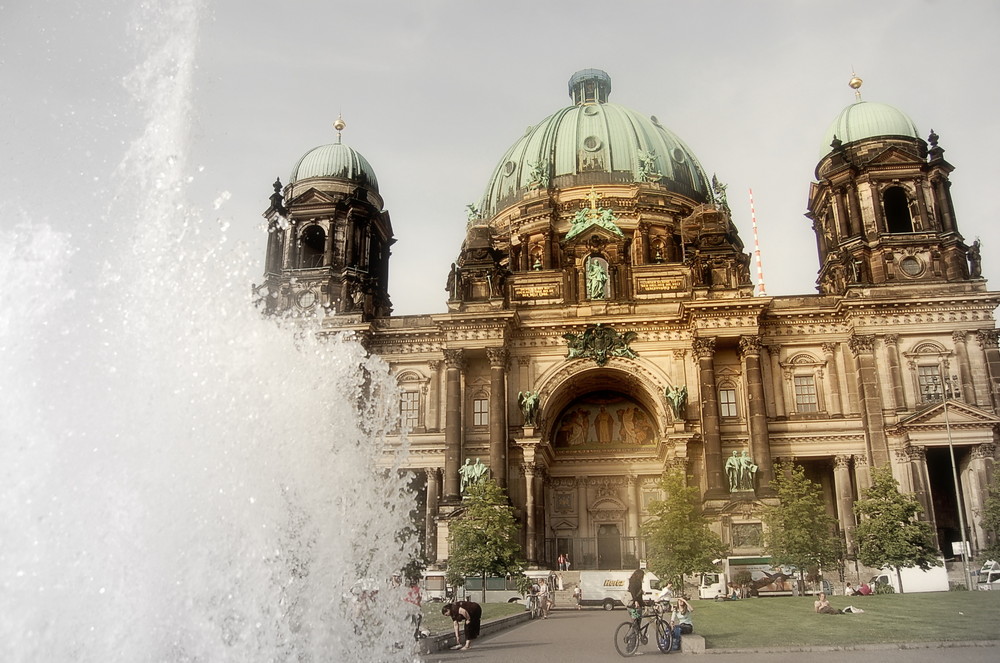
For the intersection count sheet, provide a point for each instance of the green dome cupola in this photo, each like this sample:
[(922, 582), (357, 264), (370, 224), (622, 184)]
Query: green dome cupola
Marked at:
[(335, 161), (594, 142)]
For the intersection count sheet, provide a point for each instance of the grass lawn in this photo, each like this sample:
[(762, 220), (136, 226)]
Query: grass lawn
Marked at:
[(790, 621), (435, 622)]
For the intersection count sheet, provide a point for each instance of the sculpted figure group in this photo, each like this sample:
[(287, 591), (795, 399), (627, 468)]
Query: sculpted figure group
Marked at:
[(740, 470)]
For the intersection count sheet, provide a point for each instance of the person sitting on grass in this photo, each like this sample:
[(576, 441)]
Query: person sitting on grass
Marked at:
[(822, 606), (471, 613)]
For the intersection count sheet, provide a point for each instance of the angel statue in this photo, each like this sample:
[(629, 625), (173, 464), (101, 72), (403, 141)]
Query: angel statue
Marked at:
[(529, 400), (677, 397)]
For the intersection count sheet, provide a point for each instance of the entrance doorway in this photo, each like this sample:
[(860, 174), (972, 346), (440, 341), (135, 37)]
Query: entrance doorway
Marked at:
[(609, 547)]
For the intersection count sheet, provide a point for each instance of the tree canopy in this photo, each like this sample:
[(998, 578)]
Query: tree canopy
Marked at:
[(800, 532), (678, 540), (889, 534), (483, 539)]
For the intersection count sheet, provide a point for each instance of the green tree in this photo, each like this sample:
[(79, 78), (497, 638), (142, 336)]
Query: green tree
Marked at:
[(990, 519), (483, 539), (889, 534), (678, 540), (800, 532)]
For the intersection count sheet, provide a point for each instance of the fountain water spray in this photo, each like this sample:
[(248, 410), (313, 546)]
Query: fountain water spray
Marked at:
[(180, 479)]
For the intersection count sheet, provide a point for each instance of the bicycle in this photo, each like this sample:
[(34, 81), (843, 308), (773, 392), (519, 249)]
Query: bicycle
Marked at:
[(629, 635), (534, 607)]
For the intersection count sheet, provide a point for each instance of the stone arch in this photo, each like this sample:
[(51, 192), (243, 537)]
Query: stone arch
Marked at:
[(637, 379)]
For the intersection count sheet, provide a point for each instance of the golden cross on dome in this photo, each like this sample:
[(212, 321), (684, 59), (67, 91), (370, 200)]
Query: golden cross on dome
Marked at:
[(593, 197)]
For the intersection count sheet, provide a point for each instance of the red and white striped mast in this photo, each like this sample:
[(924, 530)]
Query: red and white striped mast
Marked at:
[(761, 290)]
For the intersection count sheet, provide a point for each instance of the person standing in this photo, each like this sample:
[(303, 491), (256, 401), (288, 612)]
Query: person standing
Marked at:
[(567, 562), (544, 598), (562, 562), (578, 596), (471, 613)]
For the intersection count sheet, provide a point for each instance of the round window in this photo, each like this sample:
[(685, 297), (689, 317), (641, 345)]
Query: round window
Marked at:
[(911, 266), (508, 168), (678, 155), (590, 110), (591, 143)]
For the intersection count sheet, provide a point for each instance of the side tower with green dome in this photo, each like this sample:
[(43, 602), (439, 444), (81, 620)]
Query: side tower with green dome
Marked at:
[(329, 238), (598, 206), (881, 206)]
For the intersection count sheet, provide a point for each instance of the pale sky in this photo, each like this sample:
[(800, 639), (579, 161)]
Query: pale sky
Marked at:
[(433, 94)]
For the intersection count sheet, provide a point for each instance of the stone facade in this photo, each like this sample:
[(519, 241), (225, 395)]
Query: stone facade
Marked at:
[(608, 296)]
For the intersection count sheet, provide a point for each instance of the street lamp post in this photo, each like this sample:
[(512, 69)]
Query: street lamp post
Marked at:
[(950, 390)]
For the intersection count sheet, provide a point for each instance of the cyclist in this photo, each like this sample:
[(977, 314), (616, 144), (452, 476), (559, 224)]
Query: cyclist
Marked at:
[(635, 590)]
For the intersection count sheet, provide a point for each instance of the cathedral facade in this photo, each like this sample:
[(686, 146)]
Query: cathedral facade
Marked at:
[(602, 328)]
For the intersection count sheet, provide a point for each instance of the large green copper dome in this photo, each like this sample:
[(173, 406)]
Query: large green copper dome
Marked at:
[(335, 161), (864, 119), (594, 142)]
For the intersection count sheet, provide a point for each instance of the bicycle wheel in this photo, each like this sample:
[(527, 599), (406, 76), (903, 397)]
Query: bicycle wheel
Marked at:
[(627, 639), (664, 636)]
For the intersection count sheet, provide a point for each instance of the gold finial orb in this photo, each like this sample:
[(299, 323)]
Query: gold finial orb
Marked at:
[(339, 125), (855, 82)]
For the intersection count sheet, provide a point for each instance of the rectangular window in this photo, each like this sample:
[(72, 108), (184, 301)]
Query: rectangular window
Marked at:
[(480, 412), (805, 394), (727, 402), (929, 380), (409, 409)]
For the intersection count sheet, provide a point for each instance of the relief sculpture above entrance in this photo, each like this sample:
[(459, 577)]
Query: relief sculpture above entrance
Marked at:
[(606, 421)]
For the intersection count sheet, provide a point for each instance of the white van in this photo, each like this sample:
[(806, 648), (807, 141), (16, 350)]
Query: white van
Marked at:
[(609, 589), (989, 576), (934, 579)]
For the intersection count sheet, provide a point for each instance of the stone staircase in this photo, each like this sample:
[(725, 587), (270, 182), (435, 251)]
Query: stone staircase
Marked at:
[(564, 599)]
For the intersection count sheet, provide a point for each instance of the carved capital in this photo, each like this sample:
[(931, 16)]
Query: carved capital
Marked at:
[(842, 462), (959, 336), (750, 345), (704, 348), (830, 348), (891, 339), (434, 365), (862, 344), (680, 353), (984, 450), (860, 461), (455, 358), (498, 357), (987, 338)]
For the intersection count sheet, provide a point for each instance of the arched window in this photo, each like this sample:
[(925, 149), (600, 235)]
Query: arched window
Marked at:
[(313, 245), (897, 210)]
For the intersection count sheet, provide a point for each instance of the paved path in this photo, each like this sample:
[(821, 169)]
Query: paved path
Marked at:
[(586, 637)]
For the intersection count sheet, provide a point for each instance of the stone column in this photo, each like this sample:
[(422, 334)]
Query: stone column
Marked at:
[(529, 511), (981, 468), (631, 495), (455, 360), (964, 368), (892, 358), (582, 524), (498, 413), (863, 347), (430, 518), (760, 442), (862, 475), (525, 253), (704, 350), (845, 498), (836, 402), (777, 381), (920, 481), (988, 342), (434, 398)]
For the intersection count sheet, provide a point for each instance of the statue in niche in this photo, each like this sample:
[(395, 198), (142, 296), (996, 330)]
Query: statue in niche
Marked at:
[(975, 260), (453, 281), (733, 471), (677, 397), (529, 402), (597, 279), (471, 473), (748, 469)]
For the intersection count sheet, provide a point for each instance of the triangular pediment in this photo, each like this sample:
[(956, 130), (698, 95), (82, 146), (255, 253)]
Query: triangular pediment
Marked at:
[(588, 233), (892, 156), (312, 197), (958, 414)]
